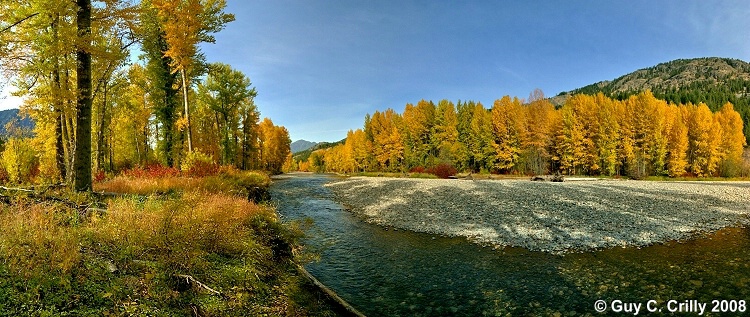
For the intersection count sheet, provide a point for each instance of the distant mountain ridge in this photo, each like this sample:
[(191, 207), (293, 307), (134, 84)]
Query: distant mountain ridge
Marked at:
[(710, 80), (13, 114), (679, 74), (303, 155), (301, 145)]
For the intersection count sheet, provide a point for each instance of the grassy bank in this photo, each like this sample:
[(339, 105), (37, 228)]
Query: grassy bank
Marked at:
[(196, 248)]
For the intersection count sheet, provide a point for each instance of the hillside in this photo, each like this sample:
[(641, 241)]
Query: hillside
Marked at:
[(303, 155), (301, 145), (712, 80), (12, 114)]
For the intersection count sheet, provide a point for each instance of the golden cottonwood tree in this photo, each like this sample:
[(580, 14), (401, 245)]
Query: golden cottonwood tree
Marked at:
[(540, 118), (509, 130), (387, 144), (418, 122), (274, 145), (185, 24), (704, 137), (569, 138), (733, 140), (677, 141), (606, 134), (445, 135)]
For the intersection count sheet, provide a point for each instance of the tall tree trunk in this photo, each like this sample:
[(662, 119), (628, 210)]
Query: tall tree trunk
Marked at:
[(57, 104), (82, 162), (100, 146), (187, 111)]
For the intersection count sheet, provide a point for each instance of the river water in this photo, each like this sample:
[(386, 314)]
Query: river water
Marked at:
[(398, 273)]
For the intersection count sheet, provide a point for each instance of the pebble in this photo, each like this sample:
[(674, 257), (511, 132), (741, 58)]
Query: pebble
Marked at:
[(551, 217)]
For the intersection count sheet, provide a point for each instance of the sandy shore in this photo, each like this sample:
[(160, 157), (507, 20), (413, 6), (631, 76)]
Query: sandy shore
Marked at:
[(552, 217)]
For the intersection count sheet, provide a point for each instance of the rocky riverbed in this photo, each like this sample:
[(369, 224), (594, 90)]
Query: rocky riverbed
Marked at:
[(545, 216)]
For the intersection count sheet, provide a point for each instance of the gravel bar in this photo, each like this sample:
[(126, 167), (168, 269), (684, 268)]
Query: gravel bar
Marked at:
[(545, 216)]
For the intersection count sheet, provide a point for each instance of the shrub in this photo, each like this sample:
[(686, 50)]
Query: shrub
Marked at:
[(100, 176), (442, 170), (151, 171), (417, 169), (19, 160), (197, 164)]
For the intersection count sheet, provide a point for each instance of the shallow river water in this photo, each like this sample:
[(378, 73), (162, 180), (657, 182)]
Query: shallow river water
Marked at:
[(398, 273)]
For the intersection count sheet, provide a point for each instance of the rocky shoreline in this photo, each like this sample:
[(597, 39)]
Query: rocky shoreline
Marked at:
[(545, 216)]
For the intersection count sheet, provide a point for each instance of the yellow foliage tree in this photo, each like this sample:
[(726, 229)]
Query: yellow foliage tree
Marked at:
[(509, 130), (677, 141), (704, 137), (732, 141)]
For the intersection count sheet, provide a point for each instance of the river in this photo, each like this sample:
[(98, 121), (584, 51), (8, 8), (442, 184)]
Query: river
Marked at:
[(398, 273)]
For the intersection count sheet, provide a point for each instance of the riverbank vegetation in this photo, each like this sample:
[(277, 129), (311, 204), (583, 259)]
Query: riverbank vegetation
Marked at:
[(589, 135), (193, 246)]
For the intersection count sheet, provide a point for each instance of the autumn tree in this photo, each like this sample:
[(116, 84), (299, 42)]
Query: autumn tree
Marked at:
[(480, 138), (387, 143), (732, 142), (445, 132), (704, 137), (224, 91), (570, 148), (162, 81), (418, 122), (274, 145), (677, 141), (186, 23), (509, 130), (540, 118)]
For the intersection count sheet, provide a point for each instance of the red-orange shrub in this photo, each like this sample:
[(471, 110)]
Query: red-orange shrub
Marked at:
[(417, 169), (152, 171), (442, 170), (100, 176)]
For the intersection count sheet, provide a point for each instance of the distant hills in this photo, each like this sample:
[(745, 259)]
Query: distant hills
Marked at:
[(301, 145), (10, 115), (711, 80), (304, 154)]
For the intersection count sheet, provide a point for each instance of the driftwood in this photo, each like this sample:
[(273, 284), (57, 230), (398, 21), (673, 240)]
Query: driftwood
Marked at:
[(349, 308), (553, 178), (192, 281), (41, 196)]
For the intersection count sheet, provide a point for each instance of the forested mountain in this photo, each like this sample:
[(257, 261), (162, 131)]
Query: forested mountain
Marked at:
[(301, 145), (713, 81), (305, 154)]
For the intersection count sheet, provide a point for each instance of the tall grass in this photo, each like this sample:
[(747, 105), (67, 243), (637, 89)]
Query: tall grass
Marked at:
[(227, 181)]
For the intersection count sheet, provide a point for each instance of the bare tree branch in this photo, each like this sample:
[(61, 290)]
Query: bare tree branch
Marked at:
[(19, 22)]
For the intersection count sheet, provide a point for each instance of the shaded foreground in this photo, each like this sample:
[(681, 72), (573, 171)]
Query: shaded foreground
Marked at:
[(189, 247), (403, 273), (553, 217)]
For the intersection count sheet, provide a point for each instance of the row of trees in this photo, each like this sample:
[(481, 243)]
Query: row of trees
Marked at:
[(592, 135), (97, 110)]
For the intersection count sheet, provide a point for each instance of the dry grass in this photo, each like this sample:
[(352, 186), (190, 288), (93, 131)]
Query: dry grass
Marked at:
[(54, 261), (230, 182)]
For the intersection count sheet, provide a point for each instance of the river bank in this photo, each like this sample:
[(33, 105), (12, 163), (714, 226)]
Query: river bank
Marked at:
[(551, 217)]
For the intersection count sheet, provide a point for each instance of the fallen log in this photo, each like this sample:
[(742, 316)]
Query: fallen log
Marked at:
[(349, 308), (192, 281)]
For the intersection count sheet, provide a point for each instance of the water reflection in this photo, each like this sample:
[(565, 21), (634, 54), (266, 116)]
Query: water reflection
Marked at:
[(399, 273)]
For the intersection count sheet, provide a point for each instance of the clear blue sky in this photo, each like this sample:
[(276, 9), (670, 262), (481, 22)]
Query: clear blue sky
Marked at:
[(320, 66)]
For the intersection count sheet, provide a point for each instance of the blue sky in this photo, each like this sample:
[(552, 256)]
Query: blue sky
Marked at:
[(320, 66)]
